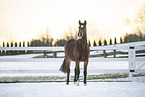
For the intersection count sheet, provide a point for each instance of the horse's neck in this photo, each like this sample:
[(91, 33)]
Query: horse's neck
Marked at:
[(85, 38), (84, 41)]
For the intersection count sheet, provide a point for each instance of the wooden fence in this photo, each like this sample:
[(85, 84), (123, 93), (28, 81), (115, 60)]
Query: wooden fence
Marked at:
[(131, 52)]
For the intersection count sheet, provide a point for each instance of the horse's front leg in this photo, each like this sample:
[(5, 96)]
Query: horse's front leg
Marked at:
[(77, 72), (85, 71), (75, 76)]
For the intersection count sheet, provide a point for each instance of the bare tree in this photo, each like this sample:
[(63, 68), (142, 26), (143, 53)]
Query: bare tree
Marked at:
[(44, 39), (71, 34), (138, 22), (138, 25)]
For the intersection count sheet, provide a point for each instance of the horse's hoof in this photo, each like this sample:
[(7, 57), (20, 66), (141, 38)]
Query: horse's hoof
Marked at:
[(67, 83), (77, 83), (85, 84)]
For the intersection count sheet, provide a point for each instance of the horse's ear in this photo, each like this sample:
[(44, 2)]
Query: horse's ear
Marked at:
[(85, 22), (79, 22)]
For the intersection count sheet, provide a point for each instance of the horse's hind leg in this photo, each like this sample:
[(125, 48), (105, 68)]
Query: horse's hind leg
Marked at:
[(68, 71), (85, 71)]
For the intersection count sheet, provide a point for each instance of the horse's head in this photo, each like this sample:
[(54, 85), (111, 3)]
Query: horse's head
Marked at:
[(82, 29)]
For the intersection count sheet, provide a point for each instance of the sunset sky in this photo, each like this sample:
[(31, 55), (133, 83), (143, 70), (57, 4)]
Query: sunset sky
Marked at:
[(26, 19)]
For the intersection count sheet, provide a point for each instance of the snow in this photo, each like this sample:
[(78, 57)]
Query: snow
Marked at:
[(139, 79), (51, 67), (93, 89), (135, 79), (21, 56)]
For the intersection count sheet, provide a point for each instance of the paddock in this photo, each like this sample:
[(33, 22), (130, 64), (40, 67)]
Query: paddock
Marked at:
[(122, 58), (132, 53)]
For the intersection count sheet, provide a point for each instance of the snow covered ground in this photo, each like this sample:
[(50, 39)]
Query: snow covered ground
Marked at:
[(51, 67), (93, 89)]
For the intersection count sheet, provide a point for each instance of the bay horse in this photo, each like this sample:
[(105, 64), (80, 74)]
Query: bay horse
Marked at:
[(78, 51)]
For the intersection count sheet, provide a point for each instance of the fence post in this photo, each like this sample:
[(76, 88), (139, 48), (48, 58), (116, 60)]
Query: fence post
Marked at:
[(132, 61), (55, 54), (105, 55), (114, 53), (44, 54)]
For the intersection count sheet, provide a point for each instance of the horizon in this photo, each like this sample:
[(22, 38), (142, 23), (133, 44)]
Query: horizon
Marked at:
[(24, 20)]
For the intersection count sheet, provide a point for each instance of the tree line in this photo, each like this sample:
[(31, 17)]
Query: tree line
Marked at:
[(61, 42), (48, 41), (126, 39)]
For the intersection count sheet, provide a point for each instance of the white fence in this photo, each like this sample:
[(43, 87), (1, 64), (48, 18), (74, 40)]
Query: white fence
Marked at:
[(130, 48)]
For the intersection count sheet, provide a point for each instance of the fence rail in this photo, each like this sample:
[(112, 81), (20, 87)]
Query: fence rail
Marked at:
[(131, 52)]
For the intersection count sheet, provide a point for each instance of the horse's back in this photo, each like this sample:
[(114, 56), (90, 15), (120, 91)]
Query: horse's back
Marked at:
[(70, 42)]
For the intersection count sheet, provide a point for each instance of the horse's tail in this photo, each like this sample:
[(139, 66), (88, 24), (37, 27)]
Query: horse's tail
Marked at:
[(64, 66)]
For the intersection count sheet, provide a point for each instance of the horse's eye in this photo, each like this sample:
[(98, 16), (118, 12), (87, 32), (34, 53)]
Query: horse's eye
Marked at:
[(79, 34)]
